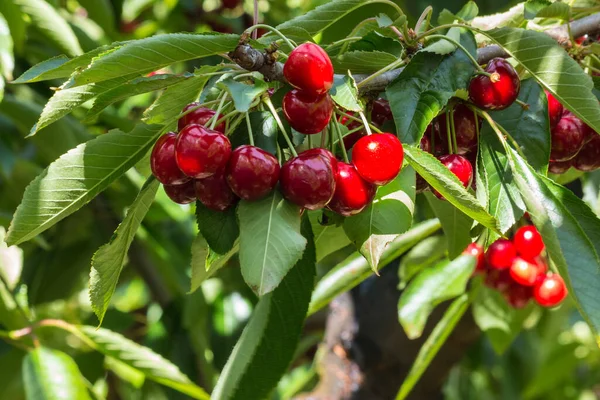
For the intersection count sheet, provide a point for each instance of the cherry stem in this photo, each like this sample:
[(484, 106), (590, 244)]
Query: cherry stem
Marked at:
[(340, 140), (453, 130), (323, 138), (250, 133), (426, 14), (522, 104), (448, 132), (281, 127), (353, 118), (255, 19), (192, 109), (310, 144), (460, 46), (214, 118), (399, 62), (500, 131), (365, 122), (289, 42)]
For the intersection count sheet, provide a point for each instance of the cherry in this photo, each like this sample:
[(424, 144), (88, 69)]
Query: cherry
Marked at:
[(324, 153), (567, 139), (230, 4), (465, 128), (476, 251), (307, 113), (352, 193), (555, 109), (201, 152), (524, 272), (381, 112), (459, 166), (425, 143), (497, 92), (181, 194), (309, 68), (588, 158), (200, 116), (517, 295), (378, 158), (308, 180), (215, 193), (498, 279), (550, 291), (528, 242), (501, 254), (351, 139), (162, 161), (560, 167), (252, 172)]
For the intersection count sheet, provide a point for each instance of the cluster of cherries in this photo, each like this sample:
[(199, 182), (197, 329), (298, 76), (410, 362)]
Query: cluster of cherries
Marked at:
[(517, 269)]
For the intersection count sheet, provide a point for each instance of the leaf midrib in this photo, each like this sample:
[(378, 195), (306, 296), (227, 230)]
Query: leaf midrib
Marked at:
[(263, 267)]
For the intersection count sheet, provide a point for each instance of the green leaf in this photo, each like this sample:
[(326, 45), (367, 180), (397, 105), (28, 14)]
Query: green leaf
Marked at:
[(268, 343), (102, 12), (375, 41), (445, 182), (11, 262), (52, 375), (388, 216), (425, 86), (553, 68), (469, 11), (433, 344), (362, 62), (328, 238), (384, 21), (442, 46), (109, 260), (219, 228), (455, 224), (546, 9), (151, 364), (206, 262), (264, 131), (16, 23), (49, 22), (270, 241), (242, 94), (7, 59), (345, 93), (154, 53), (446, 280), (422, 256), (76, 178)]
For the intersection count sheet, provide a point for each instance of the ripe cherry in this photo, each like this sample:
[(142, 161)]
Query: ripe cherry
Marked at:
[(181, 194), (528, 242), (588, 158), (324, 153), (476, 251), (162, 161), (524, 272), (201, 152), (215, 193), (498, 279), (252, 172), (550, 291), (517, 295), (459, 166), (555, 109), (501, 254), (497, 92), (378, 158), (352, 193), (567, 139), (309, 68), (308, 180), (560, 167), (201, 116), (381, 112), (307, 113), (465, 128)]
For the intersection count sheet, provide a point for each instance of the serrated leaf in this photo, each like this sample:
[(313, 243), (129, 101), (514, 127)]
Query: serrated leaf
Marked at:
[(268, 343), (445, 182), (205, 262), (469, 11), (455, 224), (386, 218), (48, 21), (7, 59), (384, 21), (442, 46), (76, 178), (264, 131), (109, 260), (16, 23), (423, 255), (345, 93), (52, 375), (553, 68), (362, 62), (513, 17), (151, 364), (328, 238), (219, 228), (546, 9), (153, 53), (375, 41), (270, 241), (444, 281), (425, 86), (243, 94)]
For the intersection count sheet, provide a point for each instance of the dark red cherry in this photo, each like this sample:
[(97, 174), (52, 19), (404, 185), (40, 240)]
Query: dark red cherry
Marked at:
[(550, 291), (498, 279), (528, 242), (351, 139), (181, 194), (307, 113), (308, 180), (215, 193), (201, 152), (200, 116), (524, 272), (352, 193), (476, 251), (381, 112), (378, 158), (465, 128), (560, 167), (162, 161), (324, 153), (555, 109), (425, 144), (501, 254), (252, 173), (499, 91), (567, 140), (459, 166), (230, 4), (309, 68), (518, 295), (588, 158)]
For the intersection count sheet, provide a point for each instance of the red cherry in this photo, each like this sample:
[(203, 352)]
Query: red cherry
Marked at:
[(308, 180), (567, 139), (162, 161), (459, 166), (497, 95), (560, 167), (528, 242), (588, 158), (524, 272), (517, 295), (200, 116), (476, 251), (352, 193), (324, 153), (215, 193), (555, 109), (201, 152), (501, 254), (378, 158), (425, 144), (181, 194), (498, 279), (252, 172), (381, 112), (550, 291), (541, 265), (307, 113), (465, 128), (309, 68)]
